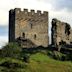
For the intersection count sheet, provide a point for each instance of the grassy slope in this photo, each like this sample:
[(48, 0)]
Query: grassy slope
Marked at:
[(8, 65), (39, 62), (42, 63)]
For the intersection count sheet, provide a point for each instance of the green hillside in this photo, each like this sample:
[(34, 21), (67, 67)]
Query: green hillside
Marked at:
[(14, 59), (38, 62)]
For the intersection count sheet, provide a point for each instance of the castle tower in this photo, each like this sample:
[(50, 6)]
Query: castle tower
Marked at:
[(28, 25)]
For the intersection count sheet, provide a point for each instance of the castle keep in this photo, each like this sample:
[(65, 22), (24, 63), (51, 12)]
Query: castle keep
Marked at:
[(30, 29)]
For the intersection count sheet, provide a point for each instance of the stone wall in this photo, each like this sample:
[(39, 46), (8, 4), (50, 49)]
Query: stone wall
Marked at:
[(60, 32), (70, 36), (29, 25), (11, 25)]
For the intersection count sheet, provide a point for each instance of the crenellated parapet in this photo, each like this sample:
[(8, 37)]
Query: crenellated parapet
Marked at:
[(25, 11), (11, 12)]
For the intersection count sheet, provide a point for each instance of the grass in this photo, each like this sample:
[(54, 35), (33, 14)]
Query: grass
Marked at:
[(38, 62), (42, 63), (12, 65)]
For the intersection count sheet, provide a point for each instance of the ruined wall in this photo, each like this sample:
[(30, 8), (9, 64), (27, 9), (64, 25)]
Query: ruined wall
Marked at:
[(60, 32), (70, 36), (31, 25)]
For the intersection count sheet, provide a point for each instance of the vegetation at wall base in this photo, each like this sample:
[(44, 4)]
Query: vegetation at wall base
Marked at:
[(14, 59)]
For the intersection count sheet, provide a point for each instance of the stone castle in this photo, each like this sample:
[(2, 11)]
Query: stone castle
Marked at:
[(29, 29)]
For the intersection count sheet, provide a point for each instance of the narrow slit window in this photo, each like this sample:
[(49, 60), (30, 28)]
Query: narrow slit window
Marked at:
[(23, 35), (31, 25), (35, 36)]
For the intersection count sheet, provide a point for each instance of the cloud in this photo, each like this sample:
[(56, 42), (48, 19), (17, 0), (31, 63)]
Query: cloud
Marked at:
[(59, 4), (63, 4)]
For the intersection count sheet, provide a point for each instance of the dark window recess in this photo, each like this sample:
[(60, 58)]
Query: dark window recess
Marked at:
[(35, 36), (23, 35), (59, 43), (31, 25)]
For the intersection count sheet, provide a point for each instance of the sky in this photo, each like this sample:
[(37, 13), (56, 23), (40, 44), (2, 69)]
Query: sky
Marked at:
[(60, 9)]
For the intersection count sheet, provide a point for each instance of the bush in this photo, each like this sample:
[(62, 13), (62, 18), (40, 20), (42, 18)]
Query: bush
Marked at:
[(57, 55), (25, 56), (12, 65), (61, 56), (11, 50), (69, 56)]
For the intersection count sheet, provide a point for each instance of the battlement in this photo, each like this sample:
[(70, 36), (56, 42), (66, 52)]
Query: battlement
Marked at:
[(18, 10), (11, 11), (54, 21)]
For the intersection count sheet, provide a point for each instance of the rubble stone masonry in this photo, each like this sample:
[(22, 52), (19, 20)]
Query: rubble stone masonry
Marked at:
[(61, 33), (29, 25)]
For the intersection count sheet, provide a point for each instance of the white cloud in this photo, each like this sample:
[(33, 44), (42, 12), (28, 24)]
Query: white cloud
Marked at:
[(59, 4)]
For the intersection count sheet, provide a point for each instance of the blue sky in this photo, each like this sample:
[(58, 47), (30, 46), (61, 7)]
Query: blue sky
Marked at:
[(4, 30), (3, 35), (60, 9)]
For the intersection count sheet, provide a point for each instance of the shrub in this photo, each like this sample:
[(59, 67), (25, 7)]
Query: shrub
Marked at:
[(57, 55), (11, 50), (69, 56), (60, 56), (12, 65), (25, 56)]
